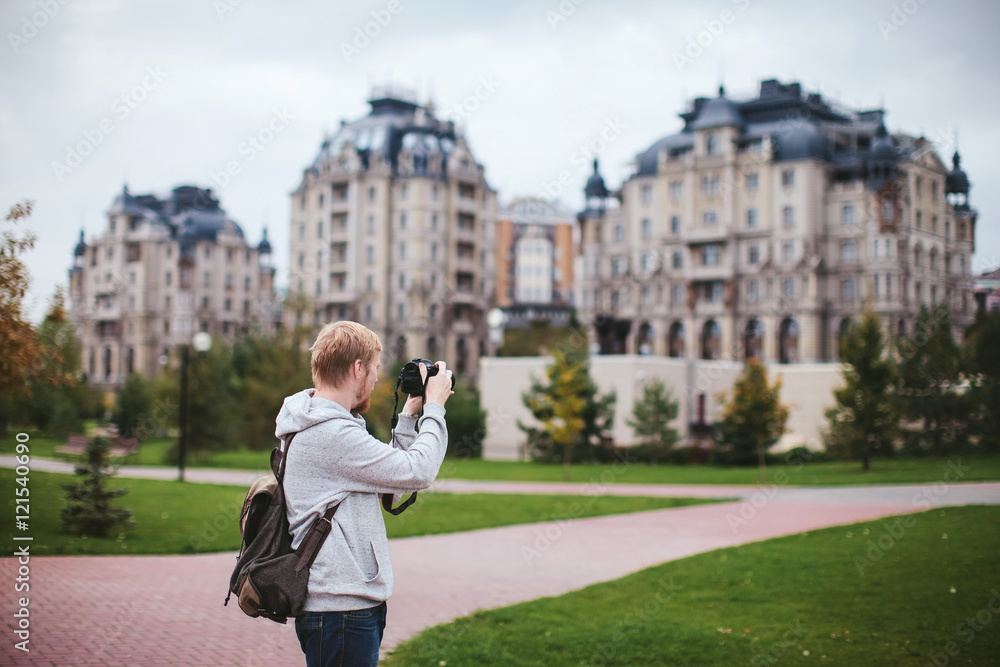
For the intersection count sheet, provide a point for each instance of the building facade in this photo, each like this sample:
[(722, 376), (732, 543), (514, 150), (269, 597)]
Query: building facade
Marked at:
[(394, 226), (164, 269), (535, 258), (763, 227)]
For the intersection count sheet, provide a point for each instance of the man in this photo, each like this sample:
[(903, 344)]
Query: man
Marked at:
[(333, 460)]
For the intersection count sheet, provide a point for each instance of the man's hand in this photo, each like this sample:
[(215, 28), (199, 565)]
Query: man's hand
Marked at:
[(438, 388)]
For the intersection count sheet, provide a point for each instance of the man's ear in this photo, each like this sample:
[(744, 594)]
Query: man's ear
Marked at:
[(358, 369)]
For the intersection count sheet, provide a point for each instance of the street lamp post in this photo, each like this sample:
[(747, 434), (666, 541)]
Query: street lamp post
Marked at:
[(202, 342)]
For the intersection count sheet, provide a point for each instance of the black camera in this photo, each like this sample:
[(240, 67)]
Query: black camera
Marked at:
[(409, 378)]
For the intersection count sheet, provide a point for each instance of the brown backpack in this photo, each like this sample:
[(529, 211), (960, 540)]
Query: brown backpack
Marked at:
[(271, 579)]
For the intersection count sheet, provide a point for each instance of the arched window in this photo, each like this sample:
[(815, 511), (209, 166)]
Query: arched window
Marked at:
[(401, 349), (788, 341), (107, 362), (130, 360), (645, 341), (675, 340), (753, 339), (711, 144), (710, 345)]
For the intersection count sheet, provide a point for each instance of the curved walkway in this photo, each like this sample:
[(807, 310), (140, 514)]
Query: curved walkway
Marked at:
[(167, 610)]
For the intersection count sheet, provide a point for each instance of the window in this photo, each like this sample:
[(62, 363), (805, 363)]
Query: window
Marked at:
[(876, 284), (788, 251), (788, 177), (302, 230), (919, 219), (677, 260), (402, 221), (369, 282), (647, 228), (788, 288), (319, 229), (434, 250), (753, 290), (753, 254), (847, 214), (934, 224), (713, 291), (888, 210), (847, 289), (712, 144), (752, 218), (618, 265), (169, 277), (848, 251), (676, 189), (321, 199), (646, 261), (961, 265), (246, 283), (750, 181), (401, 311), (710, 255), (402, 249), (319, 285), (619, 233), (675, 224), (371, 194), (677, 294), (229, 305), (434, 191), (788, 216), (709, 219), (919, 183), (207, 279), (710, 184), (934, 190), (434, 221), (646, 193), (403, 191), (402, 281), (371, 254), (888, 285)]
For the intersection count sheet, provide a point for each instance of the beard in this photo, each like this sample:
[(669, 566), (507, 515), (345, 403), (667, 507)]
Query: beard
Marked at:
[(362, 407)]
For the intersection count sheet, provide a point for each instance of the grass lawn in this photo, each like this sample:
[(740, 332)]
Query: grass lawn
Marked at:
[(984, 467), (176, 518), (793, 600)]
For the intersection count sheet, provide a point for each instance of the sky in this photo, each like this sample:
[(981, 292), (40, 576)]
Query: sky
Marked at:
[(154, 94)]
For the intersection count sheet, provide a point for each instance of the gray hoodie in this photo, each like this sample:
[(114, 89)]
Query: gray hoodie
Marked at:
[(333, 460)]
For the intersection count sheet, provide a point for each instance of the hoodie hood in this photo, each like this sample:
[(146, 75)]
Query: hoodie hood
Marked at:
[(301, 410)]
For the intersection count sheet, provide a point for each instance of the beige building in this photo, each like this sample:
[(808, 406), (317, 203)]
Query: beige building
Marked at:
[(762, 227), (164, 269), (393, 226), (535, 258)]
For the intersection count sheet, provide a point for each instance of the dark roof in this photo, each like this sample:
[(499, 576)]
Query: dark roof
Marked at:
[(799, 125), (394, 123), (81, 247), (595, 184), (718, 112), (956, 181), (190, 212), (264, 246)]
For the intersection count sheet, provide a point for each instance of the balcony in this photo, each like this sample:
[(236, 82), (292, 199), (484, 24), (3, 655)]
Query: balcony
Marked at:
[(705, 234)]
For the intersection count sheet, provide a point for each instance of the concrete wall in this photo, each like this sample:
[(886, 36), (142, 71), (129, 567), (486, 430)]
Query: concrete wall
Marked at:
[(807, 390)]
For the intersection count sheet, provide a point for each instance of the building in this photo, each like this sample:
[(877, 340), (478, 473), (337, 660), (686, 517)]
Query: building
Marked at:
[(535, 257), (393, 226), (164, 269), (988, 292), (763, 227)]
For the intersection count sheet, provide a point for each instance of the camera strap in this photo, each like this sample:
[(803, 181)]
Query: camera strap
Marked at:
[(387, 497)]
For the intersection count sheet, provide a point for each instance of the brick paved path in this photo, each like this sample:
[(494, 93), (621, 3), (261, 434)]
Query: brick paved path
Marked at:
[(167, 610)]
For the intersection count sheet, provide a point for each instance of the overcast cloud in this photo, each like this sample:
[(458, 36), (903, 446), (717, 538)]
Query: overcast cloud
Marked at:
[(200, 76)]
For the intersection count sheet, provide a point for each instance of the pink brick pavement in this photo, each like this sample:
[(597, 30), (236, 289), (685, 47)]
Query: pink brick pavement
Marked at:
[(167, 610)]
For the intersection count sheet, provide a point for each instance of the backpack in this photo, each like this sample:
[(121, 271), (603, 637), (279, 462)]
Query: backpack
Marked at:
[(271, 579)]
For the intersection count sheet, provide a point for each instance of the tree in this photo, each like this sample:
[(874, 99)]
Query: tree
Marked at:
[(866, 415), (466, 422), (132, 406), (651, 417), (19, 347), (754, 419), (88, 510), (983, 353), (930, 379), (573, 418)]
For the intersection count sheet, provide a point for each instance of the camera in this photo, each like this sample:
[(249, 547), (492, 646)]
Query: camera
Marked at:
[(409, 378)]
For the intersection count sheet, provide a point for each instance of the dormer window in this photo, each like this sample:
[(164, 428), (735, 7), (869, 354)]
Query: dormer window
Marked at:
[(712, 144)]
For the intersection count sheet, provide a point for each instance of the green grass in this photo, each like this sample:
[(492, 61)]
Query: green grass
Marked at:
[(983, 467), (178, 518), (792, 600)]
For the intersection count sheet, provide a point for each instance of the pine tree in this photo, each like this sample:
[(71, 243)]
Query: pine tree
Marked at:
[(866, 415), (88, 508), (930, 378), (573, 418), (651, 417), (132, 406), (754, 419)]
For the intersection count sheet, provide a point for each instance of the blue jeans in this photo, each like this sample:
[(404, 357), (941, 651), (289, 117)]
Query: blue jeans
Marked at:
[(341, 638)]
